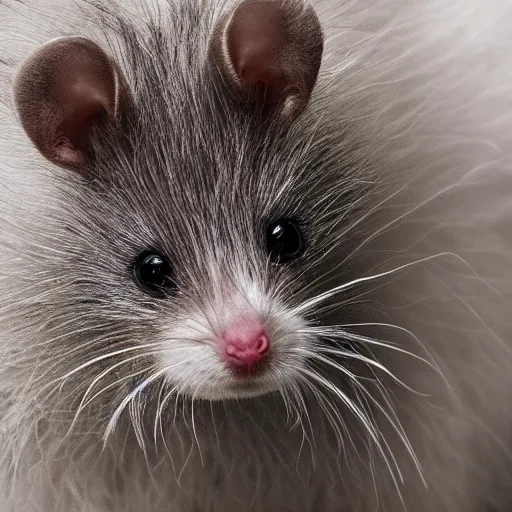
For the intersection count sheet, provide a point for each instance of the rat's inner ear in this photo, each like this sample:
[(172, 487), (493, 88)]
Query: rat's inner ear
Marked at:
[(271, 49), (61, 92)]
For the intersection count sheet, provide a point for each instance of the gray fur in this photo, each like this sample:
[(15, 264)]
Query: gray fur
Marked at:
[(400, 169)]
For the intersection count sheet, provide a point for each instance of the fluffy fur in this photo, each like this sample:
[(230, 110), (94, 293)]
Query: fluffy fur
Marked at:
[(395, 394)]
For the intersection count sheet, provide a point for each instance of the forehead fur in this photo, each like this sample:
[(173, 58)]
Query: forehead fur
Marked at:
[(199, 166)]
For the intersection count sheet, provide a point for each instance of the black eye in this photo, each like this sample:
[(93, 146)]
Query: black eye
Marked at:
[(284, 241), (152, 272)]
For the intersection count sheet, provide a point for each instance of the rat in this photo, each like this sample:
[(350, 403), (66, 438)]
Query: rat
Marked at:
[(255, 256)]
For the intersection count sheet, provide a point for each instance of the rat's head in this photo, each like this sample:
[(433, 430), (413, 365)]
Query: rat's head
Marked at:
[(195, 206)]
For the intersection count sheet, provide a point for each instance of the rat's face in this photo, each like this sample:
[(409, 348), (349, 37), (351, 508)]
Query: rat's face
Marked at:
[(192, 232), (204, 259), (228, 332), (213, 277)]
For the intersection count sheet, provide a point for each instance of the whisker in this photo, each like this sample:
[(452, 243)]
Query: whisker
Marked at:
[(365, 420), (194, 429), (84, 402), (117, 413), (306, 305), (365, 340), (396, 425), (353, 356), (102, 357)]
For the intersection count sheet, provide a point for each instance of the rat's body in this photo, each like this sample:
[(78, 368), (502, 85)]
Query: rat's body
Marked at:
[(399, 171)]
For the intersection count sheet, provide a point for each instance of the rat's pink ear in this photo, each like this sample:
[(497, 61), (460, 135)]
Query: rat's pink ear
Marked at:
[(272, 48), (61, 92)]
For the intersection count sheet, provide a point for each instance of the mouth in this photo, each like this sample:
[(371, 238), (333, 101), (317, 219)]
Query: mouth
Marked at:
[(253, 371), (244, 387)]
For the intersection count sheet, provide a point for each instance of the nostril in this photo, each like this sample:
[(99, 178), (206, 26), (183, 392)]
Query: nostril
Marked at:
[(262, 344), (233, 351)]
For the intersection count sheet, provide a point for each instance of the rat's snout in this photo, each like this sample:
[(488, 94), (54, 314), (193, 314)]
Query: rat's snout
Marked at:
[(240, 344), (246, 344)]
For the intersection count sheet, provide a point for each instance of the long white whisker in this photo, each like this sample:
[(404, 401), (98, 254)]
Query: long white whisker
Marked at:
[(328, 294), (117, 413), (366, 422), (333, 332), (84, 402), (195, 431), (354, 356), (395, 424), (102, 358)]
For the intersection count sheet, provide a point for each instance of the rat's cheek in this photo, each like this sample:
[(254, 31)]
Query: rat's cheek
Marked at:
[(189, 367)]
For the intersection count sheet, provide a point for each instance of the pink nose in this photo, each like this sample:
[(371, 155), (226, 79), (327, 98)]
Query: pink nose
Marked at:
[(246, 349)]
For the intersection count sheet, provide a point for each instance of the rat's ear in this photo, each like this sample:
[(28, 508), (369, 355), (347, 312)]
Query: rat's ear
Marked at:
[(62, 91), (273, 49)]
